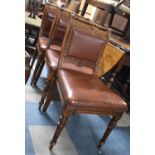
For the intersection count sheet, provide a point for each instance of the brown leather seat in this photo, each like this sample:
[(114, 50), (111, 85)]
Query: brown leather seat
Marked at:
[(47, 19), (59, 34), (43, 43), (72, 66), (52, 58), (84, 90)]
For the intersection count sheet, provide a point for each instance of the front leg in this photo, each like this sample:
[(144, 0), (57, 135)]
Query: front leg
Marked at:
[(61, 124), (111, 125)]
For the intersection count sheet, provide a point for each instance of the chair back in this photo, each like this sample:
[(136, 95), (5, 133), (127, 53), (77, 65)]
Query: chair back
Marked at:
[(83, 44), (59, 26), (74, 5), (50, 12)]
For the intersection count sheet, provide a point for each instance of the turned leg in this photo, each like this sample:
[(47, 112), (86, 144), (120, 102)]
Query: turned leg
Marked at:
[(34, 58), (62, 121), (27, 73), (36, 69), (50, 95), (46, 88), (111, 125), (39, 71)]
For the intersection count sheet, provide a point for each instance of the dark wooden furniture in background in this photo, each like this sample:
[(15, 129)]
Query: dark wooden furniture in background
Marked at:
[(32, 28), (79, 88), (112, 7), (32, 25), (118, 78), (124, 13), (73, 5)]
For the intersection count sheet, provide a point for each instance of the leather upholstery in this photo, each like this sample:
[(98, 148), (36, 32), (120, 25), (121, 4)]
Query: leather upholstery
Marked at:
[(84, 90), (47, 25), (78, 68), (84, 46), (40, 14), (52, 58), (55, 48), (58, 35), (60, 30), (43, 43), (62, 24)]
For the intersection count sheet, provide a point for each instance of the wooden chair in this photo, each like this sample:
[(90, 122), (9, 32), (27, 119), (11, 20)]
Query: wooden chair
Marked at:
[(74, 5), (79, 88), (50, 15), (55, 39), (51, 56)]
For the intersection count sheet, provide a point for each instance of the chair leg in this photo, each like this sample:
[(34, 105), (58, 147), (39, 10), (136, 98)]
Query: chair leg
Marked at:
[(34, 58), (111, 125), (27, 74), (36, 69), (46, 88), (62, 121), (39, 71), (50, 95)]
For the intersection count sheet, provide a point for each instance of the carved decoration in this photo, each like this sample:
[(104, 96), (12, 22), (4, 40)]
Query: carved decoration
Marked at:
[(87, 27)]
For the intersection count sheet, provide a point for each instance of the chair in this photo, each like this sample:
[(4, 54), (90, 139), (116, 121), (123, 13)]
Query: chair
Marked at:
[(79, 88), (55, 39), (51, 56), (50, 15), (73, 5)]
